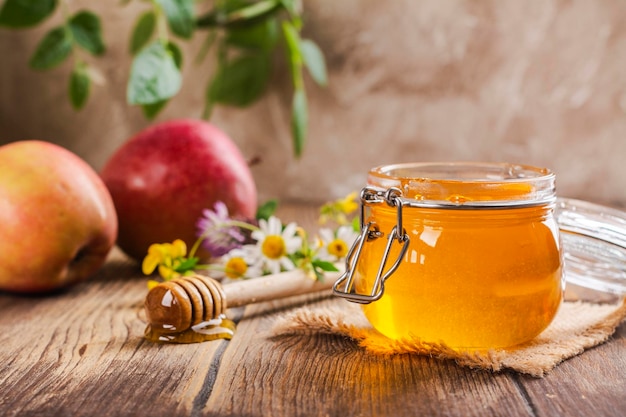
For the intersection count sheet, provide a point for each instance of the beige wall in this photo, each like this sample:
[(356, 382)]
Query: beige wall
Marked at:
[(540, 82)]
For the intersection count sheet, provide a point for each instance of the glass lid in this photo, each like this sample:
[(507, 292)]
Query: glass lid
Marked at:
[(467, 185), (594, 245)]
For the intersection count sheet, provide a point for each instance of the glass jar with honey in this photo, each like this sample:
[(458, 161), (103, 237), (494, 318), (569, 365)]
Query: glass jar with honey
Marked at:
[(463, 254)]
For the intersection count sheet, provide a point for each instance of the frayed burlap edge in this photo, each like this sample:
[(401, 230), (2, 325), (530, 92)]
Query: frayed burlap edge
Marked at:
[(578, 326)]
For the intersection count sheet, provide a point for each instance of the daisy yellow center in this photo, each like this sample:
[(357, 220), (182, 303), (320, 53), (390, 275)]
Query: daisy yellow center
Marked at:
[(274, 247), (338, 248), (236, 267)]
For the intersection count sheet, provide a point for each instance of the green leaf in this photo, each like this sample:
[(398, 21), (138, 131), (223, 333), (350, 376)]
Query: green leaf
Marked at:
[(254, 10), (241, 81), (186, 265), (176, 54), (53, 49), (87, 32), (319, 267), (24, 13), (180, 16), (324, 265), (216, 17), (266, 210), (292, 6), (314, 61), (239, 13), (299, 121), (262, 36), (79, 86), (151, 110), (154, 75), (142, 32)]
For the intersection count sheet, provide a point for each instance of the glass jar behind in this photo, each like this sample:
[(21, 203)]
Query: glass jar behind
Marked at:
[(480, 267)]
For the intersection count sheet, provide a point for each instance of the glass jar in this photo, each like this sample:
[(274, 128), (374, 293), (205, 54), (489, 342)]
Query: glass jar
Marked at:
[(464, 254)]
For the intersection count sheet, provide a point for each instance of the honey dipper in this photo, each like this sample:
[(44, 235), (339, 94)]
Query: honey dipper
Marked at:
[(177, 305)]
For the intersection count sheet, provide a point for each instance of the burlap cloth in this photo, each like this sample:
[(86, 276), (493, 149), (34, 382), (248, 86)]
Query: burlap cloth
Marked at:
[(578, 326)]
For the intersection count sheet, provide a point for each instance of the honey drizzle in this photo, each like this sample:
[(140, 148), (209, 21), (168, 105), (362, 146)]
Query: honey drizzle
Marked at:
[(215, 329)]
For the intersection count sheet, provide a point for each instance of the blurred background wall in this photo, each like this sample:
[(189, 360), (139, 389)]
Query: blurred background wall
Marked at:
[(540, 82)]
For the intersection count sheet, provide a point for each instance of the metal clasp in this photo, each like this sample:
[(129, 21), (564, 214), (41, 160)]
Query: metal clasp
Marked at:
[(344, 287)]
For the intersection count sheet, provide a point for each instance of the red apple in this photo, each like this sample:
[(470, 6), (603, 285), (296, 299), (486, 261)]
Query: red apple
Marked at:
[(162, 179), (57, 219)]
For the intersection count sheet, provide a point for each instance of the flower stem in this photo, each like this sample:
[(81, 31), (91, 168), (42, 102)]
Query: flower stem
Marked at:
[(242, 225), (196, 245), (210, 267)]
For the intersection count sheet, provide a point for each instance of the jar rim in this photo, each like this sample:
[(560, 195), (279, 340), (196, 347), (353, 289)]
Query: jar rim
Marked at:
[(507, 171), (467, 184)]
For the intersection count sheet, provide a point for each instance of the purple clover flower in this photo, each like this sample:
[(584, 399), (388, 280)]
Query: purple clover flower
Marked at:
[(215, 228)]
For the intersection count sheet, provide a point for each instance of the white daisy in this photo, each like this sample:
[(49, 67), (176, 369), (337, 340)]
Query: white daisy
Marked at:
[(335, 245), (241, 263), (274, 244)]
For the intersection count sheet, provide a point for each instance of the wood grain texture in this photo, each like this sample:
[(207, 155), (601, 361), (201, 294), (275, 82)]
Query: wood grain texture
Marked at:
[(590, 384), (82, 353), (325, 375)]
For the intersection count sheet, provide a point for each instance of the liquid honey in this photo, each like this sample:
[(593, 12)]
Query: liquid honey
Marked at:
[(220, 328), (472, 278)]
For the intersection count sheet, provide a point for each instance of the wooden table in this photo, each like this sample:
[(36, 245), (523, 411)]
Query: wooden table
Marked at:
[(82, 353)]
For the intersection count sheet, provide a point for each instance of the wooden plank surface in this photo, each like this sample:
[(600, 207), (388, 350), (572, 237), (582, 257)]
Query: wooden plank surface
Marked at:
[(82, 353)]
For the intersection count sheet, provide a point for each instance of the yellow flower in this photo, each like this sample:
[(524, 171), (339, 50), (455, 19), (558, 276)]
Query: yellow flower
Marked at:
[(167, 272), (338, 210), (348, 204), (167, 257), (152, 283)]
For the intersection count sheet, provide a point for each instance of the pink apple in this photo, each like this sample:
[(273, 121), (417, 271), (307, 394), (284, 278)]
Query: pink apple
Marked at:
[(162, 179), (57, 219)]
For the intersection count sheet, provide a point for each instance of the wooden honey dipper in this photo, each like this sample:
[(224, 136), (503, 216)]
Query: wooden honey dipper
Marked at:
[(177, 305)]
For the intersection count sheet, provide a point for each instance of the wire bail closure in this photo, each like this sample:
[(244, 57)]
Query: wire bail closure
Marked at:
[(344, 287)]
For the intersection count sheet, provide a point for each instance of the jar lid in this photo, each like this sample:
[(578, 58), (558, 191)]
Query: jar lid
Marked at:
[(467, 185), (594, 245)]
